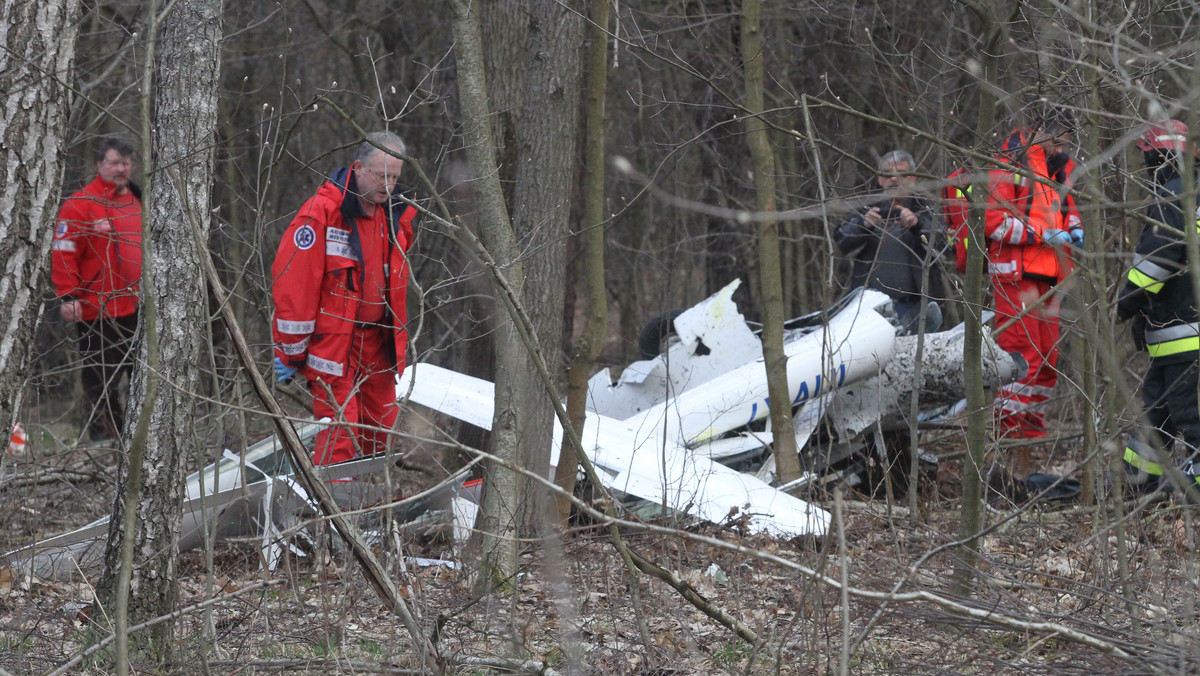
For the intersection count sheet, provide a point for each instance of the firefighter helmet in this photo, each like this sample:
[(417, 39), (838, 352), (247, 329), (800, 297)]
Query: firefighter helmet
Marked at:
[(1169, 135)]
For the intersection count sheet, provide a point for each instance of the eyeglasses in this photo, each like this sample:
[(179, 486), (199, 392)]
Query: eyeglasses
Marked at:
[(383, 176)]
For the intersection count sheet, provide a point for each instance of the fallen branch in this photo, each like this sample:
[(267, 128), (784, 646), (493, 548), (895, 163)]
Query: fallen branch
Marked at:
[(41, 478), (302, 464), (329, 666), (522, 666), (987, 614), (695, 598), (107, 640)]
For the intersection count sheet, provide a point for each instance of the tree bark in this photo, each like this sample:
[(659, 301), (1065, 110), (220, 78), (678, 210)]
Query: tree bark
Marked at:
[(787, 462), (37, 58), (187, 65), (541, 221), (587, 349), (505, 63), (499, 508), (979, 409)]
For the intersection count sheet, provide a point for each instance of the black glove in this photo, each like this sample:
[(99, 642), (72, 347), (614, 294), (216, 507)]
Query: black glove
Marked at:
[(1138, 328)]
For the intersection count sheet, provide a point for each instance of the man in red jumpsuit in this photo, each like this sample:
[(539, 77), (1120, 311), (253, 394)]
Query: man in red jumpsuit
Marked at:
[(1030, 218), (96, 269), (339, 283)]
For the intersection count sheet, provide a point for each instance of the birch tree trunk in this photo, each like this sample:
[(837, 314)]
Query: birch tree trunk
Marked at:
[(180, 167), (37, 54)]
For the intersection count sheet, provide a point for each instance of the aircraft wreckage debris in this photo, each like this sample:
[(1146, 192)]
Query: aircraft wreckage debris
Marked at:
[(667, 432)]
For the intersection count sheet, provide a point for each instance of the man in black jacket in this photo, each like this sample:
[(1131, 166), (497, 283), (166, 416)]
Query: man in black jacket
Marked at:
[(894, 244), (1158, 295)]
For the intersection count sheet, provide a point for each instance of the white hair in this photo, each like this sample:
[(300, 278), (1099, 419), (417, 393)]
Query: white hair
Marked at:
[(375, 141)]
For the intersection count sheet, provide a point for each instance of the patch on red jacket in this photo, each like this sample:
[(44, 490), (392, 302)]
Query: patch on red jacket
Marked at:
[(61, 230), (305, 237)]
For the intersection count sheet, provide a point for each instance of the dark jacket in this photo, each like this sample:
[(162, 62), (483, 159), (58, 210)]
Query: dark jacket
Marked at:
[(891, 258), (1158, 288)]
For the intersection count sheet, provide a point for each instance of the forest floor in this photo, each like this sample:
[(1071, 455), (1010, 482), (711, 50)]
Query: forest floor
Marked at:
[(1128, 587)]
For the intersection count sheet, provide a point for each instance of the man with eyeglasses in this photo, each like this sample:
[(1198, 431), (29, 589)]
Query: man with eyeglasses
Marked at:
[(96, 269), (339, 283), (1030, 220)]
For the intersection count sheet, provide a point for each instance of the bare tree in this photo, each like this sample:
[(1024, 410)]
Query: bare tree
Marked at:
[(973, 466), (542, 213), (591, 341), (500, 510), (37, 55), (769, 254), (841, 83), (506, 62), (142, 551)]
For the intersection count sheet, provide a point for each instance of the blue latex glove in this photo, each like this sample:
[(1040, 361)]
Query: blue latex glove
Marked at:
[(1077, 237), (1056, 237), (283, 372)]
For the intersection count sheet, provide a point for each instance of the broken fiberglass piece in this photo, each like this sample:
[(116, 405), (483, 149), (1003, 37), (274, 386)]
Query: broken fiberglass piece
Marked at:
[(661, 473), (235, 496)]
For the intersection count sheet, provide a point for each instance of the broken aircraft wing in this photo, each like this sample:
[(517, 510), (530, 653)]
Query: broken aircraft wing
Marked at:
[(638, 466)]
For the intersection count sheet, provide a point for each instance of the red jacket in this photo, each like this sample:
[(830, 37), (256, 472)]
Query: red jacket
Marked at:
[(955, 207), (1021, 208), (318, 279), (97, 253)]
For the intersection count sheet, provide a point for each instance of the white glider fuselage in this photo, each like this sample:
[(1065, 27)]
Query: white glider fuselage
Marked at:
[(639, 430)]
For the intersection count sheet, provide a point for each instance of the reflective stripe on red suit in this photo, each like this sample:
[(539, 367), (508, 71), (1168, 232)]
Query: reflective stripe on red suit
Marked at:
[(96, 256), (1023, 269), (317, 286)]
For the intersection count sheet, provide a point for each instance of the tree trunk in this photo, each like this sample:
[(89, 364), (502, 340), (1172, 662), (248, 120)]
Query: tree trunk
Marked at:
[(979, 409), (504, 63), (36, 64), (787, 462), (541, 221), (499, 509), (590, 343), (187, 65)]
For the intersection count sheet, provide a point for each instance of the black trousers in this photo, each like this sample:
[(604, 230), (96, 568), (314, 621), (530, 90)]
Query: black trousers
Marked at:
[(1169, 398), (105, 346), (1169, 401)]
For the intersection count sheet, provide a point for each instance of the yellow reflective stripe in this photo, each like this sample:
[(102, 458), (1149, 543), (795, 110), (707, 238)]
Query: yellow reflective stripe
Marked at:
[(1143, 281), (1174, 347), (1141, 463)]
